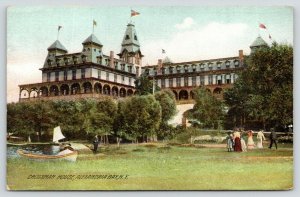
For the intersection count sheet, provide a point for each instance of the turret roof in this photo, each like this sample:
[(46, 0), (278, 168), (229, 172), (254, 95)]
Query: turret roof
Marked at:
[(130, 40), (258, 42), (92, 39), (57, 45)]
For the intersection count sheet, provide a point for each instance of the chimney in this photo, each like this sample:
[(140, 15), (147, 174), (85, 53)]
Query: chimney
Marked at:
[(111, 59), (241, 55)]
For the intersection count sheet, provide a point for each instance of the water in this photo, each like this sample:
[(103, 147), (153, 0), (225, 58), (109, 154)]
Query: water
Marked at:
[(35, 149)]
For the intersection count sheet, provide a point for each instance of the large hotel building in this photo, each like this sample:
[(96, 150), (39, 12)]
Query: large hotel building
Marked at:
[(92, 74)]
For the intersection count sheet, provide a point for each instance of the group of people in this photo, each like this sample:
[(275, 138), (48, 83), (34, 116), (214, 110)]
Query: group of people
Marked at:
[(237, 143)]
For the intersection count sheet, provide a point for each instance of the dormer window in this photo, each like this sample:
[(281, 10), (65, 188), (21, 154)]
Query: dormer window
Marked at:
[(186, 68), (106, 62), (194, 67), (178, 69), (123, 67), (66, 60), (75, 59), (57, 62), (210, 66), (130, 69), (83, 58), (236, 63), (147, 71), (202, 66), (227, 64), (116, 64), (127, 37), (219, 65), (49, 62), (171, 70), (135, 37), (163, 70), (99, 59)]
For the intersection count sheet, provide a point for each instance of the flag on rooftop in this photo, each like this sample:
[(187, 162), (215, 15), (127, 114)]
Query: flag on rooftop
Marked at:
[(262, 26), (59, 27), (94, 23), (134, 13)]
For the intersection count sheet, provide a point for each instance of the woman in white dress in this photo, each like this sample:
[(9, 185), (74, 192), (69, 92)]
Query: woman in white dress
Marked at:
[(250, 143), (260, 138)]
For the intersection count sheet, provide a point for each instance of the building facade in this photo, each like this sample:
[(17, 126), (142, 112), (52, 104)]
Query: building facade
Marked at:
[(91, 74)]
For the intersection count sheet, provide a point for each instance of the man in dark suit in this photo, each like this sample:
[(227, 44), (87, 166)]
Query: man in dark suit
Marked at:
[(273, 138), (96, 143)]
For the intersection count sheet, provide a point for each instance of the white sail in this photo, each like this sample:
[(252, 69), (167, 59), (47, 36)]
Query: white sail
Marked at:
[(57, 135)]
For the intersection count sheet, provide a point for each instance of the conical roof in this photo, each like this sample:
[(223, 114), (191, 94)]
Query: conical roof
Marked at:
[(57, 45), (92, 39), (130, 40), (258, 42)]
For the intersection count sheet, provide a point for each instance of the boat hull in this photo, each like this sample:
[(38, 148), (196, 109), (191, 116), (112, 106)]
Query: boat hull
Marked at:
[(69, 156)]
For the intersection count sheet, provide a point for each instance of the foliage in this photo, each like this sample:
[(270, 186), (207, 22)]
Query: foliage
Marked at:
[(138, 116), (144, 85), (208, 109), (264, 91)]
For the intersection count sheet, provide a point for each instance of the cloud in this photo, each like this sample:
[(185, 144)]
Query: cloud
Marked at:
[(214, 40), (187, 23)]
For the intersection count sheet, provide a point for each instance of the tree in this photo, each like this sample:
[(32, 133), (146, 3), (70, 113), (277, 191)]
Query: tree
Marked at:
[(166, 99), (138, 117), (208, 109), (144, 85), (266, 87)]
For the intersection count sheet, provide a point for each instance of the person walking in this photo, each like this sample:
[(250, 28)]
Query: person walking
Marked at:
[(96, 143), (230, 142), (250, 142), (237, 141), (273, 138), (260, 137)]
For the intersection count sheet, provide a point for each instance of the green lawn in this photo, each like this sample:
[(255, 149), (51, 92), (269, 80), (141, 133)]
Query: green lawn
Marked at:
[(161, 168)]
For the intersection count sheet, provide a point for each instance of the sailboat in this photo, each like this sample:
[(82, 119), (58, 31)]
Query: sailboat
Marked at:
[(67, 154)]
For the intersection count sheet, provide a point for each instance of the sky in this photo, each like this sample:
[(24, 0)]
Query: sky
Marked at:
[(185, 33)]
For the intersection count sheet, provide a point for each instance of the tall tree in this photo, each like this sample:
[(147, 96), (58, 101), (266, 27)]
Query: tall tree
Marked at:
[(266, 86), (208, 109), (144, 85)]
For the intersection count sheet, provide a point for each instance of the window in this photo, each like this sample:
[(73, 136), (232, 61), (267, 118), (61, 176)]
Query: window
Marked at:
[(106, 62), (202, 80), (186, 81), (116, 64), (82, 73), (186, 68), (163, 70), (210, 79), (73, 74), (135, 37), (48, 77), (194, 67), (65, 75), (236, 63), (115, 78), (163, 85), (123, 67), (127, 37), (227, 64), (178, 69), (202, 66), (99, 74), (107, 76), (171, 82), (171, 70), (178, 82), (194, 81), (130, 81), (210, 66), (49, 62), (99, 60), (56, 76), (83, 58), (130, 69), (75, 59), (58, 62), (219, 79), (123, 78), (228, 79), (219, 65)]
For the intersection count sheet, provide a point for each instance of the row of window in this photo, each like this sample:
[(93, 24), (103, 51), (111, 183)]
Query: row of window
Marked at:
[(193, 68), (83, 75), (219, 81)]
